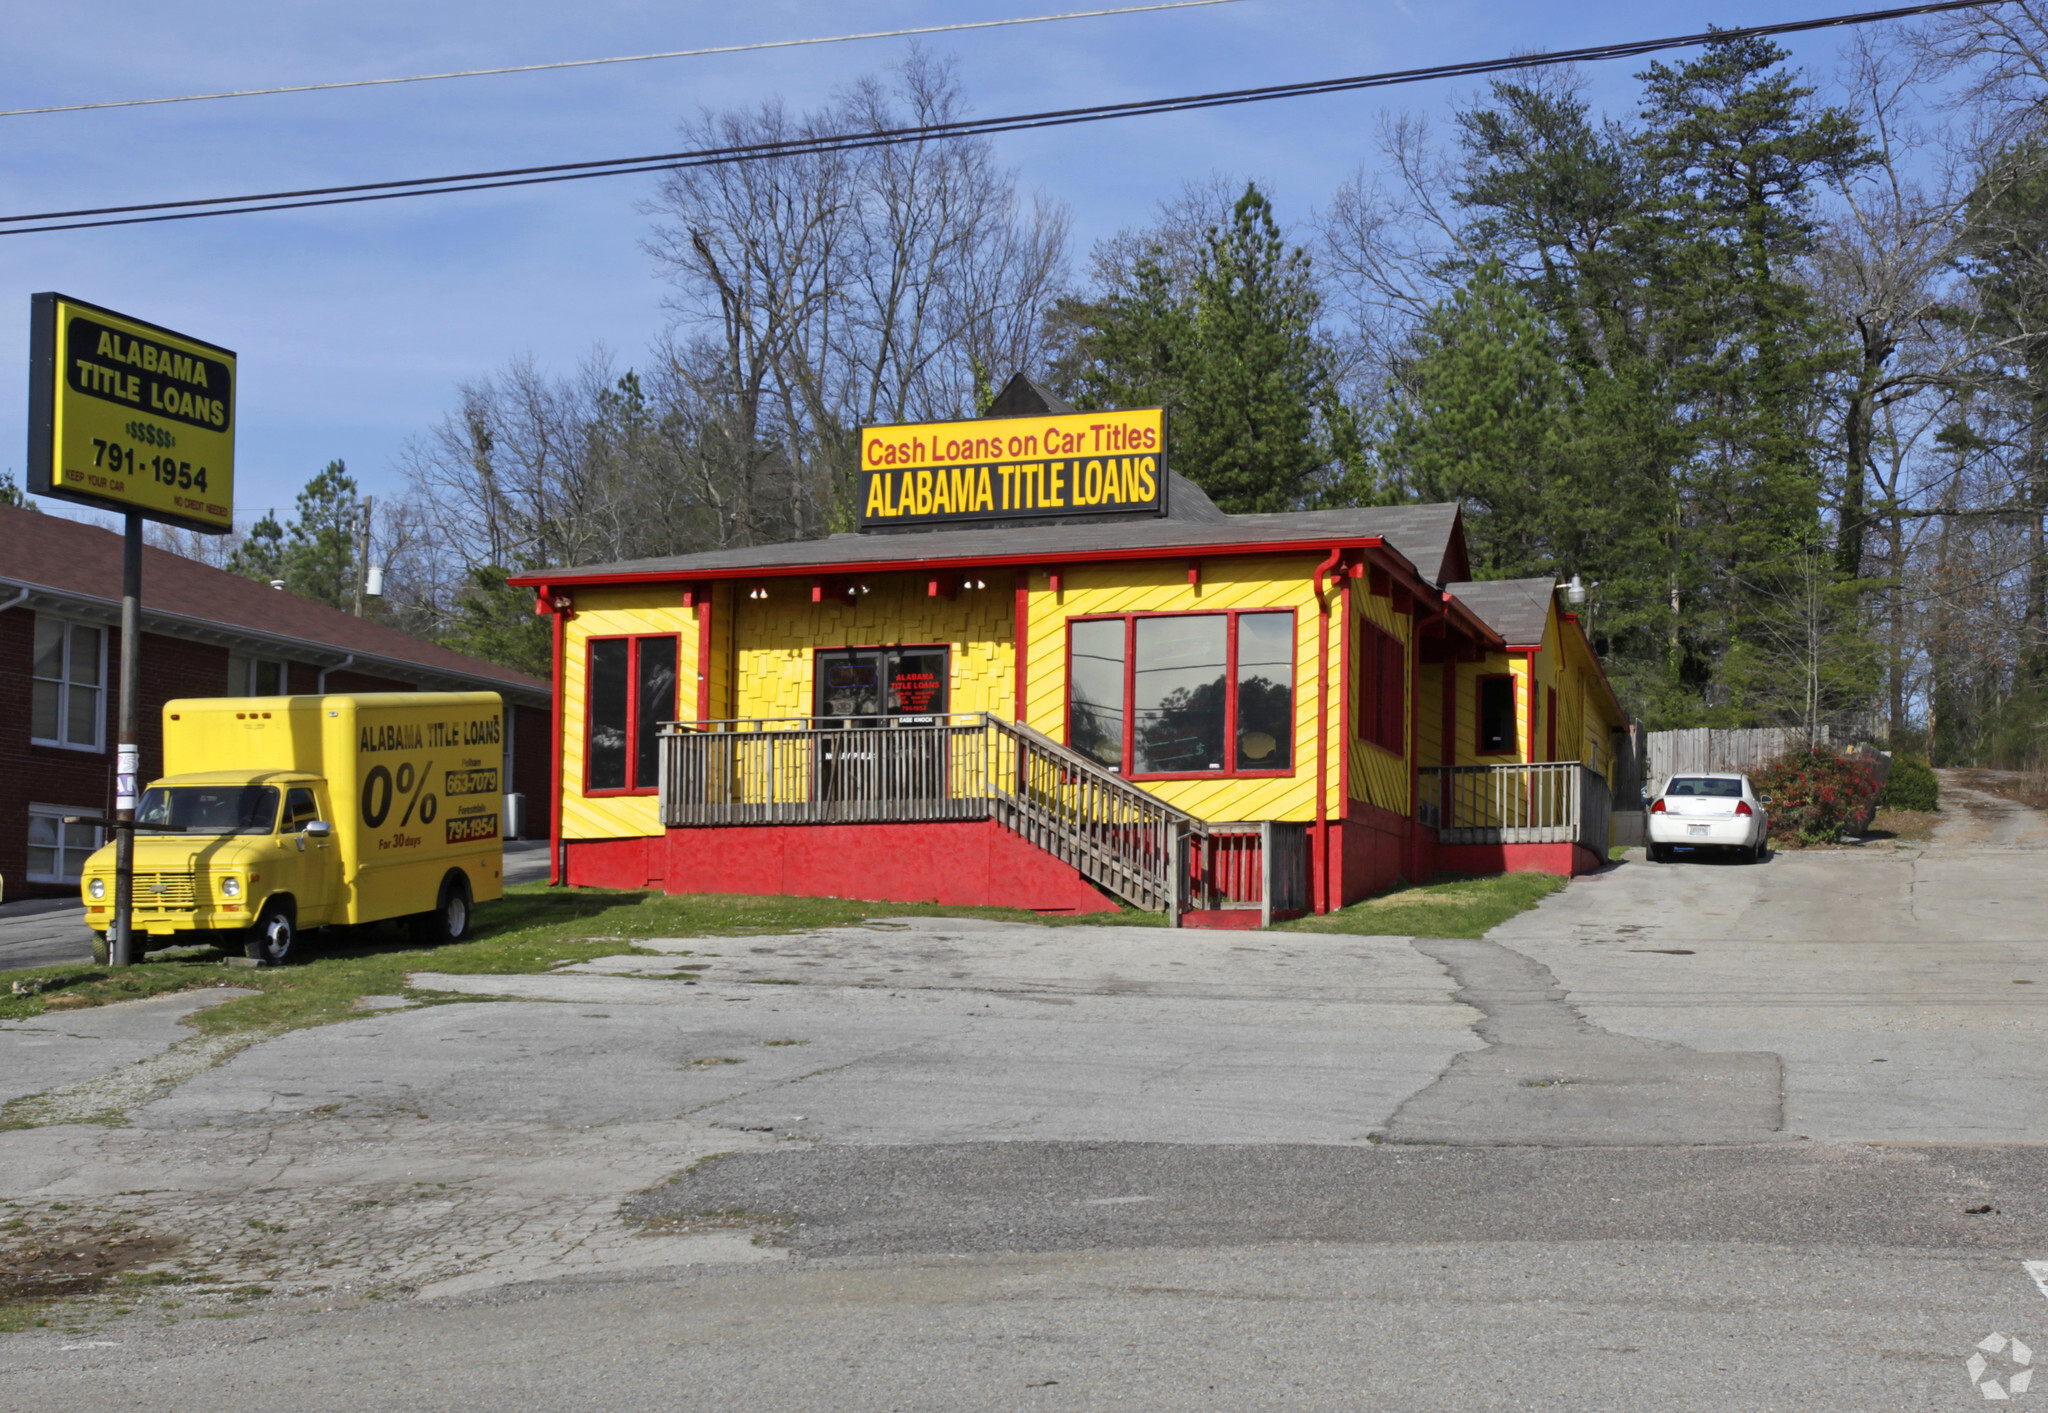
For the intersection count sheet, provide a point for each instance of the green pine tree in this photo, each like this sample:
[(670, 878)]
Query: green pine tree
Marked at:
[(261, 553), (315, 553), (1232, 352), (497, 623)]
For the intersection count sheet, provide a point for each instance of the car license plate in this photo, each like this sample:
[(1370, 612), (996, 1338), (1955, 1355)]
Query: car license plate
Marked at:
[(1696, 831)]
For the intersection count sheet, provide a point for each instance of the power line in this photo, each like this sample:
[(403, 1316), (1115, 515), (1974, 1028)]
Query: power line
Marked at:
[(621, 59), (973, 127)]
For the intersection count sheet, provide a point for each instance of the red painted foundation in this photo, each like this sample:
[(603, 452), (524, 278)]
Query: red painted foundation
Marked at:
[(965, 863), (1568, 860), (981, 864), (1380, 848), (1377, 851), (1223, 918)]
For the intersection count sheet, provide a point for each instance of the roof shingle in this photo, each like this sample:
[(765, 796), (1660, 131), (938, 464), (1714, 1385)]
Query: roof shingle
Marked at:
[(50, 552)]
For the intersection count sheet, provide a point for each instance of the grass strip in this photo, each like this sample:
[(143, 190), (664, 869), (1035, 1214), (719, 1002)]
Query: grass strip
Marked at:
[(1449, 905), (532, 929)]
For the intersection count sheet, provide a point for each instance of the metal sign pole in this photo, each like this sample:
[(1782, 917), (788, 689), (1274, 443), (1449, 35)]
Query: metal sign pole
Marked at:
[(127, 752)]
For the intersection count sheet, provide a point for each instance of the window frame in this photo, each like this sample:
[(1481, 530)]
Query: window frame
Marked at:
[(820, 721), (56, 813), (1479, 747), (633, 642), (99, 716), (1230, 664), (246, 686), (1377, 650)]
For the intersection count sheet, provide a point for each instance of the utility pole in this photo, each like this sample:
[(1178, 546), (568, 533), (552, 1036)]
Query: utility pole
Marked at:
[(127, 750), (362, 555)]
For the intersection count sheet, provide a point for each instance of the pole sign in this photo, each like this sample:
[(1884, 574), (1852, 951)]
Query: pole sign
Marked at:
[(1013, 468), (129, 416)]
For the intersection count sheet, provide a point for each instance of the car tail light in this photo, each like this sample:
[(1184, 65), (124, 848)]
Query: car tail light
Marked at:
[(1657, 806), (1742, 808)]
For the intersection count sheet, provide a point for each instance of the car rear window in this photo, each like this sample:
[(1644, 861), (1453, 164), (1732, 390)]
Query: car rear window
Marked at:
[(1705, 787)]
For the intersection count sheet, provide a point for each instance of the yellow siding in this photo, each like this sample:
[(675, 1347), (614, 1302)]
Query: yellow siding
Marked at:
[(1377, 777), (778, 638), (1161, 586), (1432, 718), (602, 613)]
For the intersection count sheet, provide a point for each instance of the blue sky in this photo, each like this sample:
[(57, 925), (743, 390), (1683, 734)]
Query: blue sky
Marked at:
[(354, 324)]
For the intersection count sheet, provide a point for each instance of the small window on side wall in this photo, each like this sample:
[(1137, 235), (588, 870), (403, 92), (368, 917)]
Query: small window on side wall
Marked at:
[(1497, 716), (632, 692)]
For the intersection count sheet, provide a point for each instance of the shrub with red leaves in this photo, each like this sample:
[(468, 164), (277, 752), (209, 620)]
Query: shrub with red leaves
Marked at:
[(1818, 796)]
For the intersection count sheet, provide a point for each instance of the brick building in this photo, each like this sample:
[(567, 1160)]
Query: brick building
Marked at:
[(205, 633)]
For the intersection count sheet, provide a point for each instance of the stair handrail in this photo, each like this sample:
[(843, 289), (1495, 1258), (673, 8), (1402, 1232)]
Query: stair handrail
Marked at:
[(1095, 770)]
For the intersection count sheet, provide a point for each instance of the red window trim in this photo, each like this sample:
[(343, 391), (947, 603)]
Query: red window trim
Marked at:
[(1129, 620), (1479, 715), (633, 642)]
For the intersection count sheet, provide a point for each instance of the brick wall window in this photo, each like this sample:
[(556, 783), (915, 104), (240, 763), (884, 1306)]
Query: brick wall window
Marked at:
[(255, 677), (1164, 695), (57, 851), (632, 691), (67, 683)]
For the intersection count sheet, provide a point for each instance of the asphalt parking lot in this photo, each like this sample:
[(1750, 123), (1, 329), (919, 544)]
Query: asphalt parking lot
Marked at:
[(1683, 1137)]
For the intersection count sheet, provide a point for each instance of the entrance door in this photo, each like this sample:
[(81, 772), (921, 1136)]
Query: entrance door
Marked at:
[(870, 691)]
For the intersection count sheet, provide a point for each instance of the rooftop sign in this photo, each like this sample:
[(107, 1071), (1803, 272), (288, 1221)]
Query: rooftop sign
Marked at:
[(130, 417), (1013, 468)]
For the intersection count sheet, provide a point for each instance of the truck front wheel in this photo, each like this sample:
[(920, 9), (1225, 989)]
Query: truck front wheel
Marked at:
[(102, 950), (449, 921), (270, 940)]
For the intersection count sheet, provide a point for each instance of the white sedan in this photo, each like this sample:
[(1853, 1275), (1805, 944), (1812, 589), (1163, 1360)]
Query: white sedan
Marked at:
[(1709, 812)]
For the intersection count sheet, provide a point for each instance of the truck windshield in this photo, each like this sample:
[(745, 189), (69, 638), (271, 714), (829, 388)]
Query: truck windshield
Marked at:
[(211, 809)]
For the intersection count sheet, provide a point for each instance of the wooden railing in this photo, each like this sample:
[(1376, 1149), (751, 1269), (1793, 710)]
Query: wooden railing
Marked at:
[(1547, 802), (1261, 865), (963, 766)]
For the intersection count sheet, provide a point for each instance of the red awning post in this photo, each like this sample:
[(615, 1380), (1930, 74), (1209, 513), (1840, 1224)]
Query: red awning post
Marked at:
[(559, 606), (1322, 878)]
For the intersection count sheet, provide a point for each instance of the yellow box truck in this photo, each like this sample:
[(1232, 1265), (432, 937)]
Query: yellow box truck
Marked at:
[(279, 814)]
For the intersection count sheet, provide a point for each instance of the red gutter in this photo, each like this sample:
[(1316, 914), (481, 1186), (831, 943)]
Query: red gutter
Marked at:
[(904, 566), (1323, 728)]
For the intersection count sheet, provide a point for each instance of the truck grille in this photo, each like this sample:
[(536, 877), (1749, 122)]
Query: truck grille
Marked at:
[(163, 890)]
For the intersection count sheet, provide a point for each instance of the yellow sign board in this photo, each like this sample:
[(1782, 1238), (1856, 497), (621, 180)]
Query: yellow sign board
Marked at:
[(130, 417), (1011, 468)]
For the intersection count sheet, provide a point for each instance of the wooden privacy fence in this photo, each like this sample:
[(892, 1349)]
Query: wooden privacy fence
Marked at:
[(1704, 750), (964, 766), (1545, 802)]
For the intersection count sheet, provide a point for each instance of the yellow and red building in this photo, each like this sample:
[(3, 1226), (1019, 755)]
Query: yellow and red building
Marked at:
[(1052, 678)]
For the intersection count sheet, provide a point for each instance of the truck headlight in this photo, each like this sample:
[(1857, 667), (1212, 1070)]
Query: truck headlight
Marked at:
[(231, 887), (98, 888)]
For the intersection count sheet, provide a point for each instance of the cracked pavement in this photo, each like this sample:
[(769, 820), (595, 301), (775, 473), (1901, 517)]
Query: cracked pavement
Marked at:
[(1688, 1136)]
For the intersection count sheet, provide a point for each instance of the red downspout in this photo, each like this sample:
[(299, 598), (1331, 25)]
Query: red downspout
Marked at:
[(1415, 626), (704, 598), (553, 606), (1023, 632), (1322, 882)]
